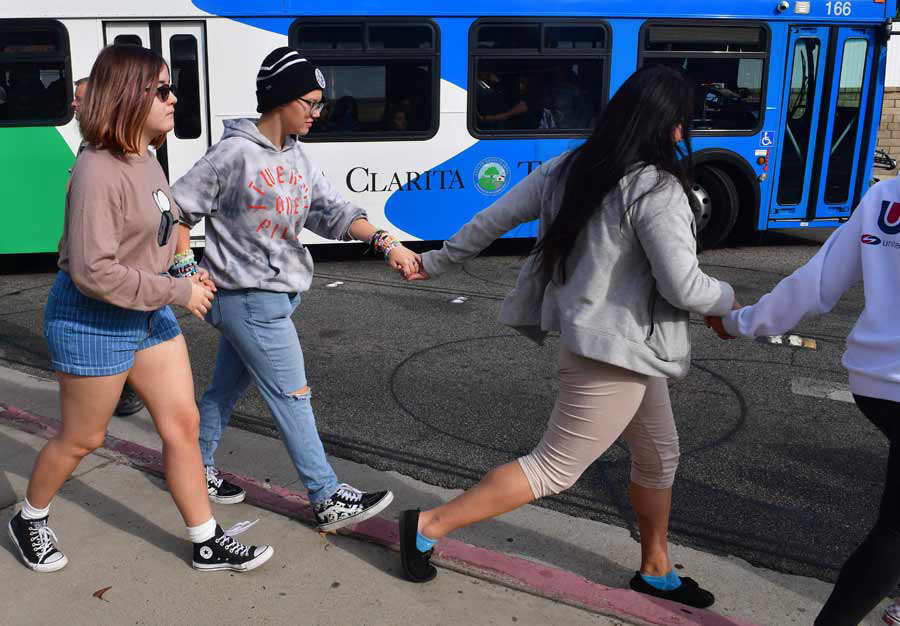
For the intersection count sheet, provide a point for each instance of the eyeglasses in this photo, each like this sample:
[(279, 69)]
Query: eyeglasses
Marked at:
[(163, 91), (314, 107), (166, 220)]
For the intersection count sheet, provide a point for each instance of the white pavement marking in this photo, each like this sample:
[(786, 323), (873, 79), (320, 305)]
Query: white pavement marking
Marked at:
[(793, 341), (335, 284), (458, 300), (821, 389)]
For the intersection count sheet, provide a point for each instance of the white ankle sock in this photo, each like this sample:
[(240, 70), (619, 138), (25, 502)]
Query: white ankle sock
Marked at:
[(31, 512), (203, 532)]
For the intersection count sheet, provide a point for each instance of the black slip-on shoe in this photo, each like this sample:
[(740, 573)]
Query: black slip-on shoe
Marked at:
[(417, 565), (689, 593)]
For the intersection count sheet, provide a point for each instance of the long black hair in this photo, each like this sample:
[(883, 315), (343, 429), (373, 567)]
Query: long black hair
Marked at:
[(635, 128)]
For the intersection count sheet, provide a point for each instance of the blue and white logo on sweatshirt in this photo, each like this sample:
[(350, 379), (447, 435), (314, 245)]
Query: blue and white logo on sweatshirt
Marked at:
[(870, 240), (889, 219)]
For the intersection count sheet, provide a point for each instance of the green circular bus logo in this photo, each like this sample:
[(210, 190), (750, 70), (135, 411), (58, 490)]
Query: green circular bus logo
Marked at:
[(491, 176)]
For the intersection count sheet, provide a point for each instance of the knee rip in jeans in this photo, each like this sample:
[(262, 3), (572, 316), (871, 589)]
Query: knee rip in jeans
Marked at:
[(301, 394)]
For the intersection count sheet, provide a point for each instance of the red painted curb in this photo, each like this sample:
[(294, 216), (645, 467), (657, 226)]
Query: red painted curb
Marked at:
[(522, 574)]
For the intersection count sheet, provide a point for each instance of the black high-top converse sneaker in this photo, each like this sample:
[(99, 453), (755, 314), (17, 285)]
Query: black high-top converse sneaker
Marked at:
[(36, 543), (129, 402), (349, 506), (223, 552), (220, 490)]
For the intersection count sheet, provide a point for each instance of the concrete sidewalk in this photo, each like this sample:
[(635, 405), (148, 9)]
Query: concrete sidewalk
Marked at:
[(120, 530)]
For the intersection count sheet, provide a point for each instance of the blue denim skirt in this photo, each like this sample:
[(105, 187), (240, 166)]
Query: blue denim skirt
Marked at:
[(89, 337)]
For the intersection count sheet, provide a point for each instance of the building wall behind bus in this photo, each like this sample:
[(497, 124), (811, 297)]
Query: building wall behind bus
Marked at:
[(889, 131)]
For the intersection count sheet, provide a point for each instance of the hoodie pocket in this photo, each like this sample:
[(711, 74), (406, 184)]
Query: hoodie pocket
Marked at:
[(667, 336)]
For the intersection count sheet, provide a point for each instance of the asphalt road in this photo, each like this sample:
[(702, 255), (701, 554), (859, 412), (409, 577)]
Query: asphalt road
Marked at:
[(408, 377)]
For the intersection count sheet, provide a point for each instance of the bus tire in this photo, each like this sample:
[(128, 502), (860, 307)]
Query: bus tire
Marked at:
[(715, 203)]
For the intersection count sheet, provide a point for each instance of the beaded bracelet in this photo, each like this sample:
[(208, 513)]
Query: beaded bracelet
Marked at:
[(383, 242), (391, 246), (184, 265)]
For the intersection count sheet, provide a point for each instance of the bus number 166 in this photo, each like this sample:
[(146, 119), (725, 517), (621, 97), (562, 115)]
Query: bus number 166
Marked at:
[(839, 8)]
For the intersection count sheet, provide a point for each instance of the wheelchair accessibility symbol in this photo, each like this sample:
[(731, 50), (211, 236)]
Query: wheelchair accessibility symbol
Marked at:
[(767, 139)]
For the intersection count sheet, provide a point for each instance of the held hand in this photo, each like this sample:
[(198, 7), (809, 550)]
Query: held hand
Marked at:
[(716, 324), (420, 273), (403, 260), (202, 277), (201, 299)]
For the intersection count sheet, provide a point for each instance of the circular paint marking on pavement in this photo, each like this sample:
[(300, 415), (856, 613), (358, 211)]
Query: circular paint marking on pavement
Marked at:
[(451, 388)]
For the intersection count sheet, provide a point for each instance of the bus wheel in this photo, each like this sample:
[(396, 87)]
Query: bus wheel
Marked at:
[(715, 204)]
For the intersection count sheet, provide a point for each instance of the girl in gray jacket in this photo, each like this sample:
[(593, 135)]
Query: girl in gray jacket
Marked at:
[(615, 272)]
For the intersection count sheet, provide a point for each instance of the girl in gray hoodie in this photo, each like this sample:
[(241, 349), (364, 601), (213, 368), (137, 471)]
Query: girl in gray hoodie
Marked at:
[(259, 190), (615, 272)]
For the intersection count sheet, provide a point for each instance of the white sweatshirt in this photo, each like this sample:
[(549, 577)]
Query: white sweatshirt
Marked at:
[(867, 248)]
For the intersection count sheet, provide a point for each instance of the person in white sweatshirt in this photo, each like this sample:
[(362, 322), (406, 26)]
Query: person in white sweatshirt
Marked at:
[(867, 248)]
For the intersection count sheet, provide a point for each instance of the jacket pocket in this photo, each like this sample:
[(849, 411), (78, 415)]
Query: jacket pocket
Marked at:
[(667, 336)]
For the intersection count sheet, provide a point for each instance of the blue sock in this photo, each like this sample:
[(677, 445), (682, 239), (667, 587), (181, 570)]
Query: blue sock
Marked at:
[(664, 583), (423, 543)]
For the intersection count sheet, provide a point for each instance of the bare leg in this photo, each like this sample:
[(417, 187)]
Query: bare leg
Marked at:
[(652, 507), (503, 489), (162, 377), (86, 404)]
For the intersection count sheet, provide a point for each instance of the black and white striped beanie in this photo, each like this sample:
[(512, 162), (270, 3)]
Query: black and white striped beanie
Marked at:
[(284, 76)]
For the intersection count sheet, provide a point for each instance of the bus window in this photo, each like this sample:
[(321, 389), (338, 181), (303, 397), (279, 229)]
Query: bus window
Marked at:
[(726, 63), (127, 40), (801, 104), (846, 121), (35, 89), (380, 78), (186, 80), (537, 78)]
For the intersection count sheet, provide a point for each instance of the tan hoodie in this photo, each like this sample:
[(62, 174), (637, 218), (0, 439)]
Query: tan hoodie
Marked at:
[(109, 244)]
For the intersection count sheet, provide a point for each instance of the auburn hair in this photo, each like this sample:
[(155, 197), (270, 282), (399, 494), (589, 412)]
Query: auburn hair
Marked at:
[(121, 92)]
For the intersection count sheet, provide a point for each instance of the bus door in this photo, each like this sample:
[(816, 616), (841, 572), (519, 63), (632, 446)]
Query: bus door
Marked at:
[(183, 46), (819, 160), (841, 157)]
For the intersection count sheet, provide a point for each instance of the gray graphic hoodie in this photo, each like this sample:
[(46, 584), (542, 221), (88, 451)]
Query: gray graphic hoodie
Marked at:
[(259, 199)]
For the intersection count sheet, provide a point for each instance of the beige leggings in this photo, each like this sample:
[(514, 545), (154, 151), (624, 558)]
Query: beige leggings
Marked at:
[(598, 402)]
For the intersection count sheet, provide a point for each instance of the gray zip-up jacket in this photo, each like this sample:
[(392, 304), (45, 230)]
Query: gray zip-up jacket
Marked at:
[(632, 276), (259, 199)]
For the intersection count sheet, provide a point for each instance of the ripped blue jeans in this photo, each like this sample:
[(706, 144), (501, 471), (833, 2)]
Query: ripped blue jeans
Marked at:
[(259, 344)]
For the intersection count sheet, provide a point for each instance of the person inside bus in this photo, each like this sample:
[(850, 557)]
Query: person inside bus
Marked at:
[(524, 113), (857, 251), (56, 102), (259, 190), (108, 317), (615, 272), (345, 116), (490, 98), (397, 120), (25, 94)]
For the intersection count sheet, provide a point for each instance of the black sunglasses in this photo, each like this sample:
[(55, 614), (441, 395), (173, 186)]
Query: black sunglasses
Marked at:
[(166, 220), (163, 91)]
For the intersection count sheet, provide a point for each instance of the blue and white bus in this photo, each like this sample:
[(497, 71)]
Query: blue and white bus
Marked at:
[(434, 110)]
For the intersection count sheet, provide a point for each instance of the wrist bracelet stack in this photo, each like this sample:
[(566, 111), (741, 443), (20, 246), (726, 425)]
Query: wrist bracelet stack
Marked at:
[(383, 242), (184, 265)]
